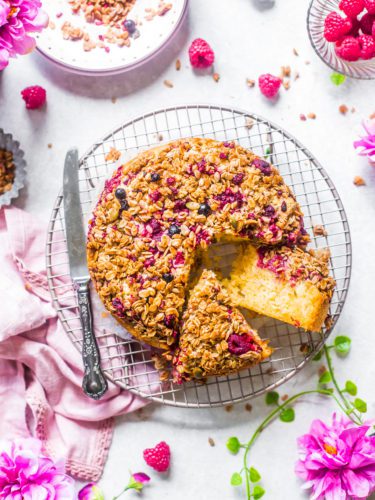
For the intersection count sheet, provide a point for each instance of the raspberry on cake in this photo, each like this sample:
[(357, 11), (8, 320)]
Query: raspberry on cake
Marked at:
[(290, 285), (215, 338), (161, 209)]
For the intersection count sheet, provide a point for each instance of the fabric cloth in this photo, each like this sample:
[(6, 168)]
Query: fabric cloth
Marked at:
[(40, 369)]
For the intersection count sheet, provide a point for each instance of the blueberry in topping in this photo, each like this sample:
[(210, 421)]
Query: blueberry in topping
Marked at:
[(204, 209), (155, 177), (124, 205), (130, 26), (168, 277), (174, 229), (283, 206), (120, 193)]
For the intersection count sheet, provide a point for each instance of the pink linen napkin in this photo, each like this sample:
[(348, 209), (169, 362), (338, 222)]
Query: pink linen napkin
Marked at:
[(40, 369)]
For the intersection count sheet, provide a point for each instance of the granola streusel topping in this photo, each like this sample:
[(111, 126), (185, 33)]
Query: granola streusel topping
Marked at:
[(165, 206)]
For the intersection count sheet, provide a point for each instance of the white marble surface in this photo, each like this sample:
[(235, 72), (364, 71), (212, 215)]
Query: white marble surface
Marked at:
[(247, 42)]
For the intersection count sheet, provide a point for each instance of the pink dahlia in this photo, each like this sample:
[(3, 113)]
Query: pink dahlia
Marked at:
[(367, 142), (26, 473), (18, 18), (337, 462)]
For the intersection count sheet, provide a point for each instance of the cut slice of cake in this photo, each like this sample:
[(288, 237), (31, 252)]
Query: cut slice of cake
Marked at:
[(215, 338), (290, 285)]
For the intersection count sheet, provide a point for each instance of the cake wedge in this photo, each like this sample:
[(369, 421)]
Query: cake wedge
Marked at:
[(215, 338), (288, 284)]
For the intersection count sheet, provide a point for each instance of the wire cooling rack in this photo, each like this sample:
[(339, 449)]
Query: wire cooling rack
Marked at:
[(127, 362)]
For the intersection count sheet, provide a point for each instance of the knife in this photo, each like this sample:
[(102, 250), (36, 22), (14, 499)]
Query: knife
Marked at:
[(94, 384)]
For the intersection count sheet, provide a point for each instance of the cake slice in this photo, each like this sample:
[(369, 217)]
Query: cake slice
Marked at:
[(290, 285), (215, 338)]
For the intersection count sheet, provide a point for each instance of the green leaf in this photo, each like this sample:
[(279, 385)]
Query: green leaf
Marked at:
[(360, 405), (254, 475), (236, 479), (351, 388), (337, 78), (325, 378), (272, 398), (258, 492), (342, 344), (233, 445), (287, 415), (318, 355)]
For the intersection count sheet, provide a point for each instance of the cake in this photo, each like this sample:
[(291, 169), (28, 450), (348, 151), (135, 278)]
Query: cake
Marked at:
[(163, 208), (215, 338), (288, 284)]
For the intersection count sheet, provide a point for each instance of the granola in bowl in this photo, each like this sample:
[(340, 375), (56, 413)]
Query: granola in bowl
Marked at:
[(215, 338), (160, 210)]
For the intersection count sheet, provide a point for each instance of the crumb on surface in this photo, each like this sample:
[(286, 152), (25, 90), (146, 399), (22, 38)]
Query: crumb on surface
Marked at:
[(295, 52), (105, 314), (216, 77), (178, 64), (284, 397), (168, 84), (211, 442), (228, 408), (49, 145), (250, 83), (113, 99), (286, 84), (319, 230), (285, 71), (302, 117), (343, 109), (312, 116), (113, 155), (248, 407), (359, 181), (249, 122)]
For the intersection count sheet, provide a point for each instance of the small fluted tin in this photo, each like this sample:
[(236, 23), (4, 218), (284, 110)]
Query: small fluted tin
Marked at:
[(9, 144)]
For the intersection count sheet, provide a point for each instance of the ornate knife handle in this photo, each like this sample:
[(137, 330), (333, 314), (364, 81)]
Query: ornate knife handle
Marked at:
[(94, 384)]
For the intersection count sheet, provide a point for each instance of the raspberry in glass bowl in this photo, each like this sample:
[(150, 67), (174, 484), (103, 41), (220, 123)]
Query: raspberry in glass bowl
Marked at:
[(343, 41)]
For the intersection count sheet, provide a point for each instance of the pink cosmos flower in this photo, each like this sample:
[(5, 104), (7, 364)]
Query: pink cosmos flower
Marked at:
[(18, 18), (91, 492), (26, 473), (367, 142), (337, 462)]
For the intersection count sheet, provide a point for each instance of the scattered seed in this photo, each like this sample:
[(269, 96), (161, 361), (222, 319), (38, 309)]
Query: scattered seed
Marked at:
[(296, 76), (113, 99), (211, 442), (312, 116), (249, 122), (343, 109), (216, 77), (285, 71), (302, 117), (49, 146), (168, 83), (319, 230), (248, 407), (178, 65), (229, 408), (359, 181), (295, 52), (284, 397), (286, 84), (250, 83)]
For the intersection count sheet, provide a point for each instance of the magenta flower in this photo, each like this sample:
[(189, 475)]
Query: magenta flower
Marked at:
[(91, 492), (367, 142), (337, 462), (18, 18), (26, 473)]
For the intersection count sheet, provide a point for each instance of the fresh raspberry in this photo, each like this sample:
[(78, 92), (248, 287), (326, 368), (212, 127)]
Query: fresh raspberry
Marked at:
[(367, 44), (201, 54), (370, 6), (352, 7), (158, 457), (269, 85), (367, 22), (348, 48), (241, 344), (373, 31), (34, 97), (356, 26), (336, 27)]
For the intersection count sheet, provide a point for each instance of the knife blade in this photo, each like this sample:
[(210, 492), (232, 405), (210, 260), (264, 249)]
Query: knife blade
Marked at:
[(94, 384)]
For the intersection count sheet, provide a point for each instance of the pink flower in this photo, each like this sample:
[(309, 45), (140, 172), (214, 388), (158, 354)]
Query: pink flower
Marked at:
[(91, 492), (27, 474), (367, 142), (337, 462), (141, 477), (18, 18)]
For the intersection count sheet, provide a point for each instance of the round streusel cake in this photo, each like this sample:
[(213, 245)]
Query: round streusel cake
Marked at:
[(164, 207)]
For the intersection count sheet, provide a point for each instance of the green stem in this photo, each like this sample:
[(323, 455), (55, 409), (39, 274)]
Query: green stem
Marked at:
[(349, 409), (268, 419), (123, 491)]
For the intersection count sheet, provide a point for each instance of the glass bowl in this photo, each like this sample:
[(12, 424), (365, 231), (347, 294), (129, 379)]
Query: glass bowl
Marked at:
[(317, 12)]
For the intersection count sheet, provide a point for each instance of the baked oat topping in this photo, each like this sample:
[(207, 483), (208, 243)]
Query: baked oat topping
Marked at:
[(160, 210), (319, 230), (7, 171), (113, 155), (215, 337)]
